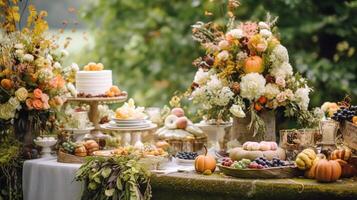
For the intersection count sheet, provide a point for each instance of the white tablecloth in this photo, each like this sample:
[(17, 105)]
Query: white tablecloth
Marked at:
[(46, 179)]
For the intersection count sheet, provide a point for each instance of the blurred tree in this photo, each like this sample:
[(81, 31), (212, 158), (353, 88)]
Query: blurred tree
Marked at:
[(148, 43)]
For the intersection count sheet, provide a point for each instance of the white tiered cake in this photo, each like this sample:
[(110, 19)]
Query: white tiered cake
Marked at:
[(94, 83)]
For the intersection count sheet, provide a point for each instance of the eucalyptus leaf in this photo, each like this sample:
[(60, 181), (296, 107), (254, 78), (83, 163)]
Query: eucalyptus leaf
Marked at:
[(109, 192), (106, 172)]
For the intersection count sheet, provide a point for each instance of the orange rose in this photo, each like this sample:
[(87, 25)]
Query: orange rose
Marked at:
[(37, 93), (37, 104), (6, 83), (29, 104)]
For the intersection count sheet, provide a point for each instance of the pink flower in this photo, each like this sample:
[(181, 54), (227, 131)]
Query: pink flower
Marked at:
[(223, 55), (280, 81), (44, 98), (224, 44)]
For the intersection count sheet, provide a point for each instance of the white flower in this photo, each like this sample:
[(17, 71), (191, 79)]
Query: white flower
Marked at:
[(223, 55), (289, 94), (252, 86), (265, 33), (214, 83), (45, 74), (199, 95), (281, 70), (57, 65), (28, 58), (19, 53), (223, 96), (74, 67), (72, 89), (49, 57), (64, 53), (263, 25), (279, 54), (281, 97), (237, 111), (241, 56), (271, 90), (280, 81), (14, 102), (235, 33), (302, 97), (201, 76), (223, 44), (19, 46)]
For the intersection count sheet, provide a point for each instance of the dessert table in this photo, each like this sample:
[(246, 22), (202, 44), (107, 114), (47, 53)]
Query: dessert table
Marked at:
[(45, 179)]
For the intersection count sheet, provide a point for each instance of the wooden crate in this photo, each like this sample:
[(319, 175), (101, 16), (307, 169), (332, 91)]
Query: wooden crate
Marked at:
[(349, 135)]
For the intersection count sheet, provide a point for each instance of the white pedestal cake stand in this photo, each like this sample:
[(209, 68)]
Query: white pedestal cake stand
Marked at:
[(93, 113), (131, 136)]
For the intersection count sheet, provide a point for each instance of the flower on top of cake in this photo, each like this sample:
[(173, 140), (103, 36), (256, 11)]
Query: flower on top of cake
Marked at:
[(92, 66), (130, 111), (114, 91)]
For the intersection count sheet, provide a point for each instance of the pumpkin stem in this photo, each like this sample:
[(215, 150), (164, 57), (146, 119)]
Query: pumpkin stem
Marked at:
[(204, 146)]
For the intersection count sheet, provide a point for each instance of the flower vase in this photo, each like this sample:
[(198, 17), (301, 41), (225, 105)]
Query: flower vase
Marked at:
[(27, 126), (243, 134)]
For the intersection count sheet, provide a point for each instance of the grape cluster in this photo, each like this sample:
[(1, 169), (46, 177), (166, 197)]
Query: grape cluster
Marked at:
[(227, 162), (69, 147), (187, 155), (261, 162), (344, 114)]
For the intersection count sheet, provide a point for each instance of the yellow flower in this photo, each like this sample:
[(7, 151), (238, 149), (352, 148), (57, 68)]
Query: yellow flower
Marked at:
[(21, 94), (175, 101)]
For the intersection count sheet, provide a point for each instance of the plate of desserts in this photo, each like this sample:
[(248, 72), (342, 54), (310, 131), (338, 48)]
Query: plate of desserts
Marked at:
[(130, 116)]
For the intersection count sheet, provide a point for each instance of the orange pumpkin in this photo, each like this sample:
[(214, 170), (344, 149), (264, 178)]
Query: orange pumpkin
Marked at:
[(354, 119), (253, 64), (343, 153), (6, 83), (80, 151), (310, 173), (203, 163), (327, 171), (348, 170)]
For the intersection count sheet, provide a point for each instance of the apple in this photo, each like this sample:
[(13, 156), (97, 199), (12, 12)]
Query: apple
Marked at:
[(179, 112), (181, 122)]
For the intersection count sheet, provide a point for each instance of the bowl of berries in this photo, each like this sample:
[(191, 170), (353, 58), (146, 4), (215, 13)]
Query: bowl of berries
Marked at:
[(186, 158), (258, 168)]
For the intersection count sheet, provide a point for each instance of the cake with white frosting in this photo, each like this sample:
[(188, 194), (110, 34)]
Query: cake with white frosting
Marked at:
[(94, 83)]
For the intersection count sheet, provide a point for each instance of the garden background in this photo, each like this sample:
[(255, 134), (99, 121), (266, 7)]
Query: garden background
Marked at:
[(148, 44)]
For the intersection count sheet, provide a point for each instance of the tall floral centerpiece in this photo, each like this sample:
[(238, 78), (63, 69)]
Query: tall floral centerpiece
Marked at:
[(246, 74), (33, 82)]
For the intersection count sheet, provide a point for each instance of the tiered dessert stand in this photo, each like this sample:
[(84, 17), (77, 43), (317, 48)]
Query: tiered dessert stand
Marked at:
[(130, 136), (93, 113)]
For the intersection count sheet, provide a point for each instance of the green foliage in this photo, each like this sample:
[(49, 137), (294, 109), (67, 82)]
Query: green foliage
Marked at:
[(148, 43), (117, 178), (10, 168)]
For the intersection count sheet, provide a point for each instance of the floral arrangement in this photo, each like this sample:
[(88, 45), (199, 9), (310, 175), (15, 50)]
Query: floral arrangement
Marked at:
[(32, 77), (246, 70)]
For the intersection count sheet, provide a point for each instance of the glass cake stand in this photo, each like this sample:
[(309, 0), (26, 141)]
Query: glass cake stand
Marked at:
[(93, 113)]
